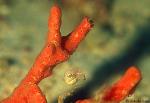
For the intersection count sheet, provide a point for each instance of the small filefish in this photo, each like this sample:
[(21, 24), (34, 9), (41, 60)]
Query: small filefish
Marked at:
[(72, 76)]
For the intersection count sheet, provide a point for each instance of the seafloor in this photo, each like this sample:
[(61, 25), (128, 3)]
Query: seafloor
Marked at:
[(120, 38)]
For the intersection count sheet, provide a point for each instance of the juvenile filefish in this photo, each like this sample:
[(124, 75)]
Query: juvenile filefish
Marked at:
[(72, 76)]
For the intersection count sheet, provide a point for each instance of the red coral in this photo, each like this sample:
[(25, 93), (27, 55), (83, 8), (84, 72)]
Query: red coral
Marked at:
[(121, 89), (56, 50), (124, 86)]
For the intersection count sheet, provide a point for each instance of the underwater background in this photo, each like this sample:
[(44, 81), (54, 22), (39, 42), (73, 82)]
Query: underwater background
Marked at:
[(120, 38)]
